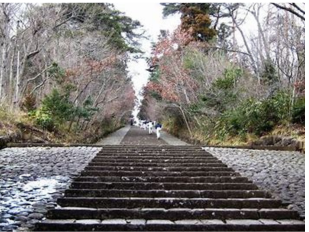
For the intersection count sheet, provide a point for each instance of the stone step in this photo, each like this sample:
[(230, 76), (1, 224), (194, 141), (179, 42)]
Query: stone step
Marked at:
[(163, 185), (157, 156), (158, 169), (171, 214), (158, 160), (160, 148), (184, 179), (165, 188), (167, 225), (154, 149), (154, 152), (158, 153), (150, 147), (141, 173), (93, 166), (152, 163), (167, 193), (136, 202)]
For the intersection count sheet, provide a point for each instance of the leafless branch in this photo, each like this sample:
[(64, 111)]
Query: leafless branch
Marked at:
[(289, 10)]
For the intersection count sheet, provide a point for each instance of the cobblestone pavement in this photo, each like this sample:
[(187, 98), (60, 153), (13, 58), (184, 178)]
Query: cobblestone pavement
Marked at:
[(31, 179), (281, 173)]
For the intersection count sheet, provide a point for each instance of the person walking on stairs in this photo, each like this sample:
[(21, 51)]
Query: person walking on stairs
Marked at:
[(158, 128)]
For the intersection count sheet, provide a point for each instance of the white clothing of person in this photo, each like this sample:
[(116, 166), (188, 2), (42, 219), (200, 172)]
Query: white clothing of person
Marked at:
[(141, 124), (150, 126), (158, 132)]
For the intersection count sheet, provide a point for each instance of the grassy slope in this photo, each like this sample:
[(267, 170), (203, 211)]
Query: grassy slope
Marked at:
[(294, 131), (19, 127)]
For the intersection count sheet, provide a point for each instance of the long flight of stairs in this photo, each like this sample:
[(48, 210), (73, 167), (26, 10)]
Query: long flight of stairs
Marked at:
[(167, 188)]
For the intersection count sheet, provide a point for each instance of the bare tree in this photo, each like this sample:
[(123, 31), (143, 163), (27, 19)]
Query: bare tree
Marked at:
[(293, 8)]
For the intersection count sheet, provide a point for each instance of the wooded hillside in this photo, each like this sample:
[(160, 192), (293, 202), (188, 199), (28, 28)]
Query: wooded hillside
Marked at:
[(213, 82), (63, 67)]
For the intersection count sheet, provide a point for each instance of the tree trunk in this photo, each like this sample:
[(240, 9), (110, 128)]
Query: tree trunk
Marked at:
[(186, 121), (10, 85), (2, 71), (261, 34), (256, 71), (17, 86)]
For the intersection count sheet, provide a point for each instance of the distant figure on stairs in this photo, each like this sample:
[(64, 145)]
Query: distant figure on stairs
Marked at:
[(150, 127), (131, 121), (158, 128), (145, 123)]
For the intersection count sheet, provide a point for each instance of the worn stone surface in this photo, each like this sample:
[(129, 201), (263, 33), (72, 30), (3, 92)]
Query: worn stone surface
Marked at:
[(132, 135), (136, 221), (31, 179), (114, 221), (282, 173), (243, 222), (88, 221), (115, 138), (138, 136)]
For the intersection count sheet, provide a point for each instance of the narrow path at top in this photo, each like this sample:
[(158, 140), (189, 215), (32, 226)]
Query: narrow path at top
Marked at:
[(115, 138), (138, 136), (131, 135)]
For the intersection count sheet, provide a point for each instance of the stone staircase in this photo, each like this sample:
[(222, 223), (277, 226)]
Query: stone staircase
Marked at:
[(165, 188)]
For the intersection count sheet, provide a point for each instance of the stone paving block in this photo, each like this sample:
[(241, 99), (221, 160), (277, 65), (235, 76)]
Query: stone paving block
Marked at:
[(179, 209), (114, 221), (136, 221), (88, 221), (59, 221), (188, 222), (78, 208), (212, 222), (292, 222), (159, 222), (269, 221), (244, 222)]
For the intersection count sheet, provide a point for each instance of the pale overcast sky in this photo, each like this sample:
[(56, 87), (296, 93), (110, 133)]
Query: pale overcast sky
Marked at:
[(150, 16)]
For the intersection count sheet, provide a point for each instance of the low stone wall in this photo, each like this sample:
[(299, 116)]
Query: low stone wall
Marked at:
[(3, 141), (280, 141)]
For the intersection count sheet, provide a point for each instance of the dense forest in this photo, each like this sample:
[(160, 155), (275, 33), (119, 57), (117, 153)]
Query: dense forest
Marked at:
[(63, 70), (213, 82)]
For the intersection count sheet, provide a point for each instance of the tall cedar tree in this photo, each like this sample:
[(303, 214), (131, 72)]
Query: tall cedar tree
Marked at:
[(195, 18), (112, 23)]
